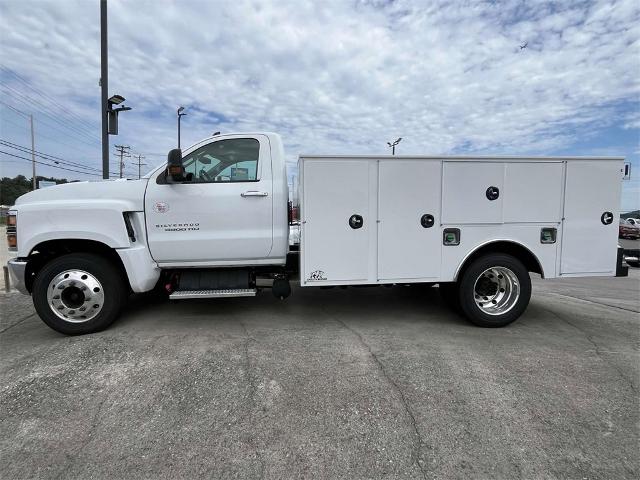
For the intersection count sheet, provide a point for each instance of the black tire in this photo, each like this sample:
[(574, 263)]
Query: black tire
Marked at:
[(467, 294), (450, 294), (114, 289)]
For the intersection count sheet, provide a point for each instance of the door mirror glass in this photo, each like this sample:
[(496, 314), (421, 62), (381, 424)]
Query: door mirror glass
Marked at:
[(175, 168)]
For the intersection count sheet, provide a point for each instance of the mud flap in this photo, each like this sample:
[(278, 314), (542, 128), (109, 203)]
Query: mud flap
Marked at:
[(622, 269)]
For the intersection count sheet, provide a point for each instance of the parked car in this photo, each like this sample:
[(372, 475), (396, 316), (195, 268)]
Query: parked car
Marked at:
[(628, 230), (634, 221)]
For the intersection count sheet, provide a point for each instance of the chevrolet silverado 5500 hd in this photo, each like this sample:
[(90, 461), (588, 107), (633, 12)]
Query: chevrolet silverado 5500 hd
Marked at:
[(213, 222)]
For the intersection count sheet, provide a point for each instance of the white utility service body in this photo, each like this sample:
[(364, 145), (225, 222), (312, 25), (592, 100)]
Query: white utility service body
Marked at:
[(392, 194), (213, 222)]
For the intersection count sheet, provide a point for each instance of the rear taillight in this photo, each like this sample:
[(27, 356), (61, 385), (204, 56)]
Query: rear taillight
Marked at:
[(12, 231)]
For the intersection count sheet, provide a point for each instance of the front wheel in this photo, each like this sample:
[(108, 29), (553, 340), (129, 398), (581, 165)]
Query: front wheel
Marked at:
[(79, 293), (495, 290)]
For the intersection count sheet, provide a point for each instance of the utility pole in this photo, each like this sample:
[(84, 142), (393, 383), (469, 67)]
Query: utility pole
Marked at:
[(104, 85), (122, 151), (33, 144), (139, 163), (33, 154)]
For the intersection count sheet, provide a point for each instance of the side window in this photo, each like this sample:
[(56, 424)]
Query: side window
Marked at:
[(233, 160)]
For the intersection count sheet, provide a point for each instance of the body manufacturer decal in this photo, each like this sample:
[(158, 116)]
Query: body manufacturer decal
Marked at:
[(316, 275), (161, 207)]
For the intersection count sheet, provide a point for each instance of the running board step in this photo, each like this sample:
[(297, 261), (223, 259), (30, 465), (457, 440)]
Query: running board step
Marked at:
[(230, 292)]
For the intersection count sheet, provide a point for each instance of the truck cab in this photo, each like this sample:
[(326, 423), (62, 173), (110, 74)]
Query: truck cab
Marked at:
[(230, 209)]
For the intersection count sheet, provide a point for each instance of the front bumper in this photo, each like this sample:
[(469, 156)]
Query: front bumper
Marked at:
[(17, 269)]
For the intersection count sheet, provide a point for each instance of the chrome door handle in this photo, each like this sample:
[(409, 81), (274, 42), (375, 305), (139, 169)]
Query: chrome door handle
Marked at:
[(253, 193)]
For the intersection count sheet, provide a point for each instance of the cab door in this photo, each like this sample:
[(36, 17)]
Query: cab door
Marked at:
[(222, 212)]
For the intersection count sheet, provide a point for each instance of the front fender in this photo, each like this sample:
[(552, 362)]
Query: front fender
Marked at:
[(98, 220)]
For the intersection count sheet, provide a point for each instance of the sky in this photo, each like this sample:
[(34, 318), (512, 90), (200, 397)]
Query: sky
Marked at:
[(331, 77)]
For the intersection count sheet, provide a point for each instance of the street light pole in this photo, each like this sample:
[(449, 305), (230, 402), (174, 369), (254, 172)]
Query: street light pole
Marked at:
[(180, 115), (33, 153), (104, 84), (393, 145)]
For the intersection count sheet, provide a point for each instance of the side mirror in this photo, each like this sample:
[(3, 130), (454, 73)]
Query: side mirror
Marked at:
[(175, 168)]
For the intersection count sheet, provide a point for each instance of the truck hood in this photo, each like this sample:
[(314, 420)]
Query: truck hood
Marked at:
[(130, 192)]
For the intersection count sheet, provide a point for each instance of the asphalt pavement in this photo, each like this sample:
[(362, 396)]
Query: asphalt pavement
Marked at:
[(355, 383)]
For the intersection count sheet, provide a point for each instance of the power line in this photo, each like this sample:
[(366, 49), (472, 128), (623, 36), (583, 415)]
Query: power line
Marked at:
[(19, 112), (24, 98), (49, 165), (40, 134), (41, 110), (57, 139), (41, 93), (33, 148), (34, 103), (46, 156), (125, 172), (53, 125), (4, 119)]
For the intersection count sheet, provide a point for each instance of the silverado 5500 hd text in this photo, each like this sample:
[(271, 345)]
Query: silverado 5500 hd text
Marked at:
[(214, 223)]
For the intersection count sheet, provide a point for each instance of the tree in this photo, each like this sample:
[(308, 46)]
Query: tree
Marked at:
[(12, 188)]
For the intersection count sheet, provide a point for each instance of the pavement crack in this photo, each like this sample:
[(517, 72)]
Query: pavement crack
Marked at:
[(253, 391), (412, 419), (595, 303), (598, 350), (17, 323)]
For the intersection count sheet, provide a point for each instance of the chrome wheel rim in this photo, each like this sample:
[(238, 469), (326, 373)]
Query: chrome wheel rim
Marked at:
[(496, 290), (75, 296)]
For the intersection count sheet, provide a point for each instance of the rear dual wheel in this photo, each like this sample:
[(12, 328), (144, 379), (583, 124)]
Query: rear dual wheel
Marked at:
[(492, 292), (79, 293)]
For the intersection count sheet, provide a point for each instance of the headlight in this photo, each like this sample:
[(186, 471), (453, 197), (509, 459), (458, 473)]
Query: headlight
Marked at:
[(12, 231)]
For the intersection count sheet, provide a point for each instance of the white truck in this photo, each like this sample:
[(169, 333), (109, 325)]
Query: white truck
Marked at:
[(213, 222)]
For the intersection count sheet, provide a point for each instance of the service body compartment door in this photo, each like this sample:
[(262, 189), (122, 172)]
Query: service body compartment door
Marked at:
[(409, 240), (533, 192), (466, 197), (591, 216), (337, 221)]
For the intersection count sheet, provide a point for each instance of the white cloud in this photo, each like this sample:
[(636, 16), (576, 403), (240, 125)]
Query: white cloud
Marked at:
[(337, 76)]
